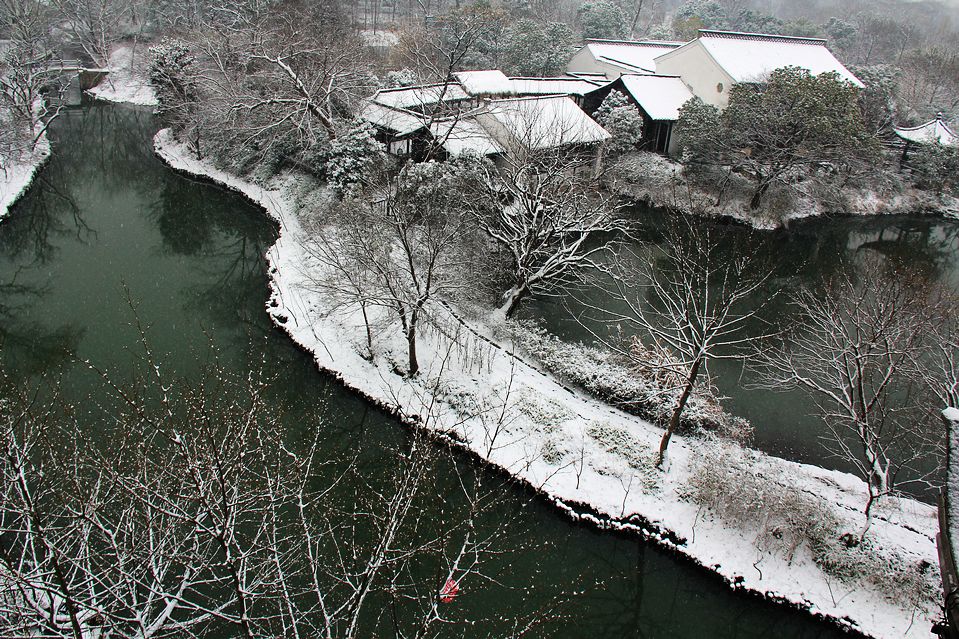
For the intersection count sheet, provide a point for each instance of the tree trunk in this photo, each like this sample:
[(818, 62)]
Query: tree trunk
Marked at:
[(414, 365), (632, 26), (516, 295), (758, 195), (678, 411), (369, 331)]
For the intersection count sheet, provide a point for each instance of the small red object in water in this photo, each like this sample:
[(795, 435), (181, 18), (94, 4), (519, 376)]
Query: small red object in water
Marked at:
[(449, 591)]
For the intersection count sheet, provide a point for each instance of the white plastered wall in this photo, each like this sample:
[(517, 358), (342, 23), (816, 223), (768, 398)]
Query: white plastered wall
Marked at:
[(699, 71), (584, 62)]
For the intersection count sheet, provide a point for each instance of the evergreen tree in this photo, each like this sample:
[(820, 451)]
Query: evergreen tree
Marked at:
[(602, 19), (624, 122)]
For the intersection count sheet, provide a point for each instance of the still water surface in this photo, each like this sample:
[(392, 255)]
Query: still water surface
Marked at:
[(107, 225), (785, 423)]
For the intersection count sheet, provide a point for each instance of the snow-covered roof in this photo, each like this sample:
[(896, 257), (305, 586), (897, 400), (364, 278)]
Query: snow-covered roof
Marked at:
[(598, 78), (637, 56), (934, 131), (464, 135), (551, 86), (495, 82), (418, 96), (660, 96), (545, 122), (487, 82), (751, 57), (399, 121)]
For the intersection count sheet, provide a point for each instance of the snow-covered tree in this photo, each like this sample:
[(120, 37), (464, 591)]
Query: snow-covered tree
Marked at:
[(194, 512), (170, 66), (93, 24), (549, 220), (602, 19), (877, 101), (31, 84), (172, 73), (400, 247), (623, 121), (537, 50), (841, 34), (794, 121), (752, 21), (930, 80), (26, 82), (802, 28), (472, 36), (698, 14), (272, 87), (934, 167), (352, 158)]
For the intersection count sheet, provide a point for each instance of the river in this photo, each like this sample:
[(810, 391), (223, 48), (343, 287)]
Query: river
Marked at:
[(108, 228), (785, 423)]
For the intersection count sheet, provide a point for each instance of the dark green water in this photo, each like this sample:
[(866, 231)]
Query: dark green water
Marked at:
[(785, 423), (107, 217)]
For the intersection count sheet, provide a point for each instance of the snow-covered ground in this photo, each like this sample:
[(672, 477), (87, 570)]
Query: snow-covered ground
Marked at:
[(17, 173), (379, 38), (595, 462), (129, 80)]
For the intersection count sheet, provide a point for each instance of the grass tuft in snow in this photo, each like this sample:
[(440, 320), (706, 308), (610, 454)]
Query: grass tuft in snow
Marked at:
[(741, 488)]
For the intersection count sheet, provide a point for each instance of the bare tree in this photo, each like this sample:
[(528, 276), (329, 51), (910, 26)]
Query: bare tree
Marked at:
[(196, 514), (31, 85), (547, 215), (94, 24), (262, 83), (858, 348), (692, 302), (398, 248), (31, 80)]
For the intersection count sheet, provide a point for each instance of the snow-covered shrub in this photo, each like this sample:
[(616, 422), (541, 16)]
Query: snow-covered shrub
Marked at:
[(401, 78), (898, 578), (612, 379), (352, 157), (624, 122), (746, 490), (736, 485), (935, 167), (171, 60), (460, 397), (620, 442)]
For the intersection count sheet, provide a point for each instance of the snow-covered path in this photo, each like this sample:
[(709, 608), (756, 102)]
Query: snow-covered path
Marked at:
[(593, 461)]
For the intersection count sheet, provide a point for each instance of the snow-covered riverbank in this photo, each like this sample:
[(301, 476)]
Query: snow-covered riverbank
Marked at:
[(595, 462), (17, 173), (658, 181), (129, 80)]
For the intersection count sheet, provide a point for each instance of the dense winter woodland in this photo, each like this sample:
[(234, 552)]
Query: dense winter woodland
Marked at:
[(409, 275)]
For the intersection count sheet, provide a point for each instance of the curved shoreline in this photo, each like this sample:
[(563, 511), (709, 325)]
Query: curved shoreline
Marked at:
[(667, 180), (20, 176), (287, 304)]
